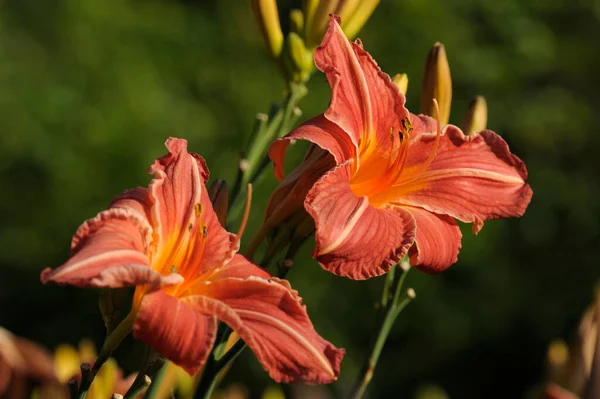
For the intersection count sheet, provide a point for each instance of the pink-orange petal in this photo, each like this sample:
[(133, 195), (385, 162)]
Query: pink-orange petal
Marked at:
[(182, 216), (270, 318), (437, 241), (117, 237), (320, 131), (220, 245), (175, 191), (239, 267), (422, 124), (365, 103), (354, 239), (288, 198), (472, 179), (175, 330)]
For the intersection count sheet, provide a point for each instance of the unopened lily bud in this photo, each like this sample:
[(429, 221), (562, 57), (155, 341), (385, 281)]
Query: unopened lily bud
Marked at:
[(219, 198), (359, 13), (267, 16), (316, 20), (111, 301), (401, 80), (476, 116), (437, 84), (297, 21), (298, 60)]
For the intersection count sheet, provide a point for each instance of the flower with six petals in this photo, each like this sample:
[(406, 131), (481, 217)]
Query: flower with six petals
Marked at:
[(382, 182), (167, 241)]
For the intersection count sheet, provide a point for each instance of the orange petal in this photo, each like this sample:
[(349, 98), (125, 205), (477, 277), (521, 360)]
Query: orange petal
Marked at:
[(319, 131), (180, 202), (239, 267), (116, 238), (288, 198), (175, 330), (437, 241), (353, 238), (472, 178), (365, 102), (269, 316)]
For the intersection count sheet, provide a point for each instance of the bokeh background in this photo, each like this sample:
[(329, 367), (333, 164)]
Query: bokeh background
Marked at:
[(90, 90)]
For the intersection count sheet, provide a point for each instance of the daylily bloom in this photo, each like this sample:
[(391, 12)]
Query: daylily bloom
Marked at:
[(382, 182), (167, 241)]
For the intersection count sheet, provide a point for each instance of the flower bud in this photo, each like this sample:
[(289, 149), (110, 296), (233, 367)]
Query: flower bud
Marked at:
[(219, 198), (267, 16), (401, 80), (317, 18), (437, 84), (475, 118), (297, 21), (359, 12), (297, 59), (353, 15)]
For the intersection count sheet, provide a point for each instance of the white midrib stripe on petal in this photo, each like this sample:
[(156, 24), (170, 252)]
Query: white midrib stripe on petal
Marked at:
[(470, 172), (99, 258), (290, 331), (356, 214)]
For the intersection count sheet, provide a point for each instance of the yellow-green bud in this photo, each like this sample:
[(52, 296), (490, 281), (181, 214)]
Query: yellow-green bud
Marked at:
[(401, 80), (437, 84), (219, 198), (297, 21), (475, 119), (359, 14), (298, 60), (267, 16), (317, 25)]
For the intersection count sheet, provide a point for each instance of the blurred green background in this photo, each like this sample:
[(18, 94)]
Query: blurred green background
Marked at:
[(90, 90)]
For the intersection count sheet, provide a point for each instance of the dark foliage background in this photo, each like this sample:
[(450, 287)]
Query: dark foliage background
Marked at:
[(90, 90)]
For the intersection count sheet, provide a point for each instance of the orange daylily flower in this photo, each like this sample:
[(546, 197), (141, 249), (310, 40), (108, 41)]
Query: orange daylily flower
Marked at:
[(382, 182), (167, 241)]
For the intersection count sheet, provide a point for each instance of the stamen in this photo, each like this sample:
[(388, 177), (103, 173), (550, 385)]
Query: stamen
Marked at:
[(433, 153), (246, 213), (198, 209)]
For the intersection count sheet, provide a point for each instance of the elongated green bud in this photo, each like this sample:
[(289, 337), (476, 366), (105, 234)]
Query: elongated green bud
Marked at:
[(267, 17), (297, 21), (359, 15), (437, 84), (297, 59)]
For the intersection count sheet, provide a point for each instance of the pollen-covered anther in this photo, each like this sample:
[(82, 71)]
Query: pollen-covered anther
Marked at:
[(198, 209)]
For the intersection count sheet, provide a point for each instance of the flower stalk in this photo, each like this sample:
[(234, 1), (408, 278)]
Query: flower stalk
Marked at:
[(111, 343), (393, 301), (266, 129)]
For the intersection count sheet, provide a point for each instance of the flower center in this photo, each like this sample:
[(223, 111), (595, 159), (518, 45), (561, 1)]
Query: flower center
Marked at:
[(381, 166), (383, 169)]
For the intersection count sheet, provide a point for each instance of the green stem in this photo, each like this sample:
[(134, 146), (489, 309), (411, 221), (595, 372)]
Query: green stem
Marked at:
[(111, 343), (279, 121), (391, 305)]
